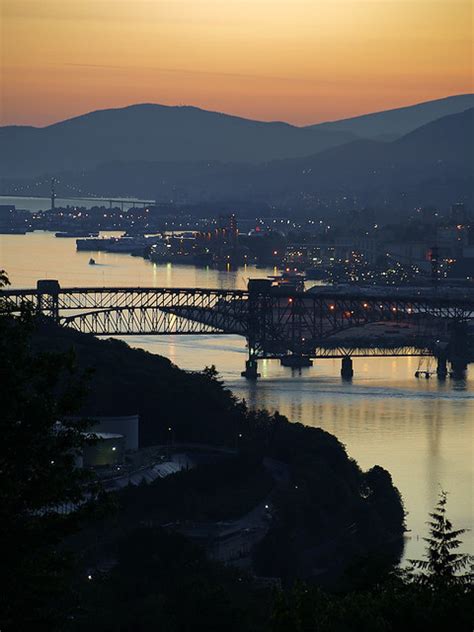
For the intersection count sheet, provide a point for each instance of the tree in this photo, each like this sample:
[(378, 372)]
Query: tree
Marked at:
[(443, 567), (37, 475), (4, 280), (211, 373)]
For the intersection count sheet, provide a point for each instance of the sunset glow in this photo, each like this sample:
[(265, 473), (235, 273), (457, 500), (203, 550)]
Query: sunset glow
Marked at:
[(302, 61)]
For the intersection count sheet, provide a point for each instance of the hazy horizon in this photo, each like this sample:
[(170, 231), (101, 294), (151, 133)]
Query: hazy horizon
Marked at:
[(303, 62)]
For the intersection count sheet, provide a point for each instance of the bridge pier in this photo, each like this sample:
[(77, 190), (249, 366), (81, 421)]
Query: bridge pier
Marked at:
[(347, 371), (48, 298), (442, 367), (251, 372), (458, 368), (458, 349)]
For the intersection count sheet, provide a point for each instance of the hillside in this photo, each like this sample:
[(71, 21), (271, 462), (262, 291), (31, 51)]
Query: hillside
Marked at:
[(438, 150), (200, 410), (158, 133), (151, 132), (431, 165), (389, 124)]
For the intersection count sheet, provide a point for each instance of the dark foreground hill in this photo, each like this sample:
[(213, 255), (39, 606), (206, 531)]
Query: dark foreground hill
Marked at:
[(116, 567), (327, 491)]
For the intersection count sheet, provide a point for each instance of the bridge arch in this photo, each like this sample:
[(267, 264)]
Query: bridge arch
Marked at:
[(275, 322)]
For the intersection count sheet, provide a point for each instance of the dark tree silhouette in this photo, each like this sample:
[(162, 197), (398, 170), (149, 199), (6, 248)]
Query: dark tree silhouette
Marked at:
[(4, 280), (38, 478), (444, 567)]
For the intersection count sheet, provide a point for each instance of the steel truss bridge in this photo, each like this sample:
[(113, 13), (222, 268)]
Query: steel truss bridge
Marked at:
[(276, 322)]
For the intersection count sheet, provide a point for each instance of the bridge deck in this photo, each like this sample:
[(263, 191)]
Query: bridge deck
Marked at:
[(275, 322)]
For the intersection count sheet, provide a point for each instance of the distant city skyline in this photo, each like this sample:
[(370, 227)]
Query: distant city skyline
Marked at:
[(303, 61)]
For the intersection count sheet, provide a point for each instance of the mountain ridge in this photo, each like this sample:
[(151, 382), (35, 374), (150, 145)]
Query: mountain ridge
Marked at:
[(429, 166), (156, 132), (153, 132), (399, 121), (465, 97)]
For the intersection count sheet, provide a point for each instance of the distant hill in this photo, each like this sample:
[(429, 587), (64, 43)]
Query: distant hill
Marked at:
[(391, 124), (154, 133), (431, 165)]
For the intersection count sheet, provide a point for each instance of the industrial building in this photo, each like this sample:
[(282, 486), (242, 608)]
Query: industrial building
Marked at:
[(127, 426), (116, 436), (109, 450)]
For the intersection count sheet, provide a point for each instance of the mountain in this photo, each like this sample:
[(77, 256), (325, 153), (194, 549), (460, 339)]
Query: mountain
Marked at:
[(431, 165), (391, 124), (154, 133)]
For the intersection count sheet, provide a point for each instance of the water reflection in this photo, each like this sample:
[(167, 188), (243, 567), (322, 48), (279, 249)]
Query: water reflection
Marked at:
[(41, 255), (420, 430)]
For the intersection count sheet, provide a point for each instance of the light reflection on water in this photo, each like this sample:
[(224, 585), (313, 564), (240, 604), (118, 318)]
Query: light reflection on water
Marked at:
[(420, 430)]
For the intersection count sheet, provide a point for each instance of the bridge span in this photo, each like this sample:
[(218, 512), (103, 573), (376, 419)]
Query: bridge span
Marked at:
[(277, 322)]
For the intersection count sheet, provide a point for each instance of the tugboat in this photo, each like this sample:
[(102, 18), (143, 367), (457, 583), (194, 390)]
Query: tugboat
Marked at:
[(92, 262)]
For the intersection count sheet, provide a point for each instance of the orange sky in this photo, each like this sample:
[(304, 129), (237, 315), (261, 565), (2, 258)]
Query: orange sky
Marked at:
[(302, 61)]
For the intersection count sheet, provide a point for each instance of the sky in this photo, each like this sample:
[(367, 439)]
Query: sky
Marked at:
[(301, 61)]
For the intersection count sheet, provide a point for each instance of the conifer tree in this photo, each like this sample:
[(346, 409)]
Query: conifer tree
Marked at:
[(444, 566)]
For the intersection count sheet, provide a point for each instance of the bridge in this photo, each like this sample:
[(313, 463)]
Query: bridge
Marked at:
[(277, 322), (131, 202)]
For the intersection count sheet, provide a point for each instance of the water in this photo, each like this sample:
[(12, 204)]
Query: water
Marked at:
[(420, 430)]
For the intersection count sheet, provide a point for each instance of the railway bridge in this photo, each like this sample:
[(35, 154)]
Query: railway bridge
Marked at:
[(277, 322)]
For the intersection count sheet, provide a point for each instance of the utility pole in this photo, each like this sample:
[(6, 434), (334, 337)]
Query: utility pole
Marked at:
[(53, 194)]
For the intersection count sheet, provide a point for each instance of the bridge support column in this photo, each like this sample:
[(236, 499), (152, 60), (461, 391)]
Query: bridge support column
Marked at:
[(347, 371), (251, 372), (442, 367), (458, 368), (458, 349), (48, 298)]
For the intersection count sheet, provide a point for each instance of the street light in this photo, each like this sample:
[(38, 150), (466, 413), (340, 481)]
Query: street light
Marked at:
[(170, 444)]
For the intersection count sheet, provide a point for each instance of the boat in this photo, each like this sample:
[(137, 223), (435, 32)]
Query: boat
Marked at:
[(69, 234), (91, 243), (12, 231), (92, 262)]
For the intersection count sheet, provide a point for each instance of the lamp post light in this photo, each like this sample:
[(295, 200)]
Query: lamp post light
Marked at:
[(238, 436), (170, 441)]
